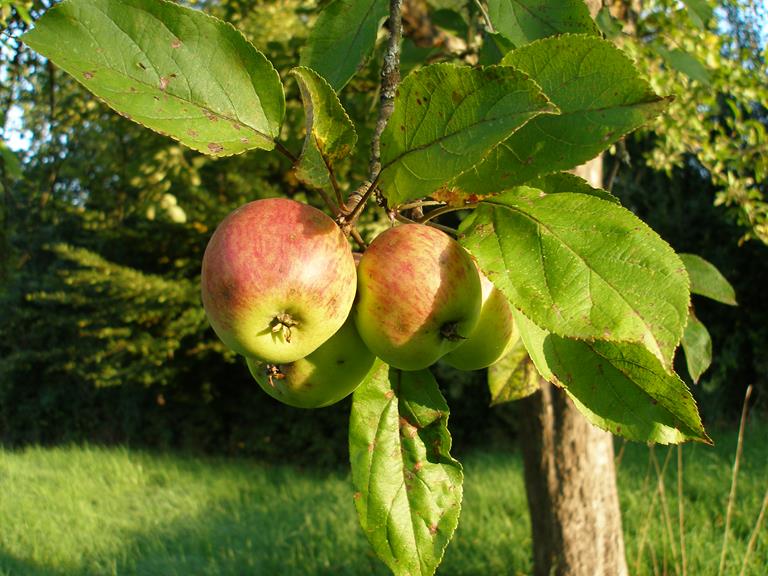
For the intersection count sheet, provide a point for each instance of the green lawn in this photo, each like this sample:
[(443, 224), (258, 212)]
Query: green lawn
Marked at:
[(84, 510)]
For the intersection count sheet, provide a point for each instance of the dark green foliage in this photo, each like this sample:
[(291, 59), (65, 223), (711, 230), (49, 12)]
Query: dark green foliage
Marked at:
[(102, 335)]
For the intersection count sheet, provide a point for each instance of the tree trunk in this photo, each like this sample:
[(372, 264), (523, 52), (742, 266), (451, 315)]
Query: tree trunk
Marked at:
[(570, 480)]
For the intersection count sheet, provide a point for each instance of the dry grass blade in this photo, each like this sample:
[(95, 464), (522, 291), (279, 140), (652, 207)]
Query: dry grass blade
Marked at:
[(664, 506), (620, 455), (654, 562), (647, 522), (734, 477), (681, 509), (753, 537)]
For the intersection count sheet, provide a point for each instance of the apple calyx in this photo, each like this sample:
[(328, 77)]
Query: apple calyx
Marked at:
[(273, 371), (283, 323), (450, 331)]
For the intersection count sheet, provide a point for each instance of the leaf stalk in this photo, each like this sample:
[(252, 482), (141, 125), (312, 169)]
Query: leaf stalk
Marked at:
[(445, 210)]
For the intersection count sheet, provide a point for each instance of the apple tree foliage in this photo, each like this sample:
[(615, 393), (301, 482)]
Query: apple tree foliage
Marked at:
[(709, 55), (601, 301)]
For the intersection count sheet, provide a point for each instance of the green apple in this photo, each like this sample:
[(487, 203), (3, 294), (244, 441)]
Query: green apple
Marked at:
[(278, 280), (324, 377), (418, 296), (494, 334)]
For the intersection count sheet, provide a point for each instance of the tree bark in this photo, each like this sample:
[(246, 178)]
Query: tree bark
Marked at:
[(570, 482), (570, 479)]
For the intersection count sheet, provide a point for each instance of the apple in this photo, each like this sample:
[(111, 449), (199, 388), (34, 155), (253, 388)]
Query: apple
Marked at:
[(494, 334), (324, 377), (278, 280), (418, 296)]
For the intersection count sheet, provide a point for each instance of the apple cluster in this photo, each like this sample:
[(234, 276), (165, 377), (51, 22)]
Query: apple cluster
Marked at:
[(280, 285)]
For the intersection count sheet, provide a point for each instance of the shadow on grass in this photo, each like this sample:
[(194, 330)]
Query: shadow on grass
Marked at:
[(313, 530), (251, 533), (218, 517), (13, 566), (126, 512), (194, 517)]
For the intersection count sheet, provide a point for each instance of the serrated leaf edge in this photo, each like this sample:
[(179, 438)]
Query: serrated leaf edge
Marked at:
[(597, 40), (364, 58), (207, 152), (550, 109), (395, 400), (309, 106), (703, 437), (667, 364)]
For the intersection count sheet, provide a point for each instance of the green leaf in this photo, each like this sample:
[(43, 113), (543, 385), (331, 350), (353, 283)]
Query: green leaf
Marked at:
[(567, 182), (408, 487), (23, 12), (620, 387), (608, 25), (10, 162), (342, 38), (513, 377), (624, 389), (600, 95), (697, 346), (533, 338), (684, 62), (706, 280), (446, 118), (455, 5), (413, 56), (330, 133), (524, 21), (495, 47), (175, 70), (602, 275), (450, 21), (700, 12)]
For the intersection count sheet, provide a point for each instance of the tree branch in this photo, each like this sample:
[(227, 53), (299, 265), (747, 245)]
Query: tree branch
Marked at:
[(351, 216), (390, 79)]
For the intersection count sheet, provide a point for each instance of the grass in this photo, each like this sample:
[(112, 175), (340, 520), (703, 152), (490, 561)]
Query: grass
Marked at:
[(84, 510), (706, 484)]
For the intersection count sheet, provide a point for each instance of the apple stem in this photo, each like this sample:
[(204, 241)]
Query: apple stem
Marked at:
[(445, 210), (400, 218)]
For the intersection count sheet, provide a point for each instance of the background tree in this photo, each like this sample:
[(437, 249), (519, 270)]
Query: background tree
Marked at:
[(716, 68)]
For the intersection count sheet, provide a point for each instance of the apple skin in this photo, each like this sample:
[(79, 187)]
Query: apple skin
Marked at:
[(278, 280), (418, 296), (324, 377), (492, 337)]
